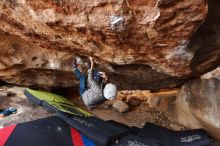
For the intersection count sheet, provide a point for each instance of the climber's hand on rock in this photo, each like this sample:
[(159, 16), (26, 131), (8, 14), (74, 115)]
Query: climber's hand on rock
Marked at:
[(103, 75), (91, 61)]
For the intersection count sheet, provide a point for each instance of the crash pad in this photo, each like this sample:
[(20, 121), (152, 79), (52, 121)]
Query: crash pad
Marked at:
[(101, 132), (56, 101), (104, 133), (51, 131), (166, 137)]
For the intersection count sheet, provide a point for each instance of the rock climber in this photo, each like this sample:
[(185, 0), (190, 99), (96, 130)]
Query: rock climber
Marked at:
[(94, 89)]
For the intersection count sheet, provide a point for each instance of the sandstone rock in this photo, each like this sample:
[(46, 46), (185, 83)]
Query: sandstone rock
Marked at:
[(121, 106), (198, 105), (205, 42), (214, 74), (176, 127), (140, 44), (153, 100), (134, 101), (11, 94)]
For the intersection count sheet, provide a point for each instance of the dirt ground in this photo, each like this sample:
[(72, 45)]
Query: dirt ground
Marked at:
[(12, 96), (137, 116)]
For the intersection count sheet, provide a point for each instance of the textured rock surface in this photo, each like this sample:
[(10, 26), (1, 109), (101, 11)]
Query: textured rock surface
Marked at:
[(140, 44), (214, 74), (206, 42), (198, 105), (120, 106), (26, 64)]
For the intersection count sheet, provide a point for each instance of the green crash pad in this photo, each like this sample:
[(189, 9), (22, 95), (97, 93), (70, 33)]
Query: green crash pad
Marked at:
[(101, 132), (56, 101)]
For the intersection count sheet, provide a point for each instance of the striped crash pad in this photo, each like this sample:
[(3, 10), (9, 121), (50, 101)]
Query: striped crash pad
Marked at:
[(51, 131), (101, 132)]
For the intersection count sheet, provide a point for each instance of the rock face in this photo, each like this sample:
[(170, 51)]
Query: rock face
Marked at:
[(206, 42), (198, 105), (140, 44), (23, 63)]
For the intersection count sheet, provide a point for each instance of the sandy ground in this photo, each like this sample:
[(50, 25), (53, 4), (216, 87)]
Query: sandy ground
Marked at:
[(137, 116), (13, 97), (26, 111)]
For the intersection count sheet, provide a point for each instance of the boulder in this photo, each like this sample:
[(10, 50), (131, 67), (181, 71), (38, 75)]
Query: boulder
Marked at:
[(198, 104), (142, 44), (120, 106)]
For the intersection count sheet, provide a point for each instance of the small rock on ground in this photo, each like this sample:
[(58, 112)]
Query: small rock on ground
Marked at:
[(121, 106)]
